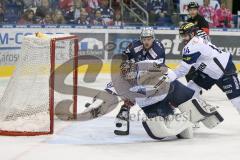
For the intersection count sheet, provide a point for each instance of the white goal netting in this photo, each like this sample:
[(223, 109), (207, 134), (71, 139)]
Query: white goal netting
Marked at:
[(25, 105)]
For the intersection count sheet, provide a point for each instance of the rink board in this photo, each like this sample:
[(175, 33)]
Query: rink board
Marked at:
[(7, 71)]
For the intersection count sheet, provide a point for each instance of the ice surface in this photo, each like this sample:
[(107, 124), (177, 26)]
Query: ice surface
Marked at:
[(95, 139)]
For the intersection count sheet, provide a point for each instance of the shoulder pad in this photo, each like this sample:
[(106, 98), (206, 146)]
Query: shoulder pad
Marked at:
[(192, 46), (195, 41), (158, 42), (137, 43)]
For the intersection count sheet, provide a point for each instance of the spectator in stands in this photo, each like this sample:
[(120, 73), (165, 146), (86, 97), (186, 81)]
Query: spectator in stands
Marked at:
[(69, 16), (54, 4), (14, 2), (106, 12), (176, 6), (223, 17), (118, 18), (97, 20), (19, 3), (27, 18), (93, 4), (42, 9), (157, 6), (83, 4), (157, 10), (163, 20), (13, 11), (196, 18), (58, 17), (47, 19), (83, 19), (78, 5), (208, 12), (31, 3), (1, 12), (116, 4), (175, 11), (65, 5)]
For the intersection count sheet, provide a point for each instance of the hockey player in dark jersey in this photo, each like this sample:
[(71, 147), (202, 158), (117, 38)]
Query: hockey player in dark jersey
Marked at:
[(196, 18), (146, 48)]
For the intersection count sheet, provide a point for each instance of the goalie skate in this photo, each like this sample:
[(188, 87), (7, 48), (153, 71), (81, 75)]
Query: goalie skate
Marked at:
[(122, 121)]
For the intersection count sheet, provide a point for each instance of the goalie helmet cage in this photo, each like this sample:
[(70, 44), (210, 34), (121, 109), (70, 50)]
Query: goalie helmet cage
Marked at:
[(65, 45)]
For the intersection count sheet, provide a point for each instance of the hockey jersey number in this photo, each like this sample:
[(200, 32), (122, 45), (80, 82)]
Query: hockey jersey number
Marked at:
[(215, 48), (202, 67)]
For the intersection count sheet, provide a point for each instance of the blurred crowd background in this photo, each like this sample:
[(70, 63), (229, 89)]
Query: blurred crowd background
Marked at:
[(219, 13)]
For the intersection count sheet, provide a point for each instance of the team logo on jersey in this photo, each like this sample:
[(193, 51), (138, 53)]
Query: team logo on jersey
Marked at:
[(186, 59), (186, 50)]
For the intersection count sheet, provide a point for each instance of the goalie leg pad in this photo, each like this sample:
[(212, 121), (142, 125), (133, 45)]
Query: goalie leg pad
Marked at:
[(186, 134), (198, 111), (190, 109), (160, 128)]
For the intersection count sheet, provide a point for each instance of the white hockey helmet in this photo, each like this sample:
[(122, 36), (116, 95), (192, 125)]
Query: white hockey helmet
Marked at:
[(147, 32)]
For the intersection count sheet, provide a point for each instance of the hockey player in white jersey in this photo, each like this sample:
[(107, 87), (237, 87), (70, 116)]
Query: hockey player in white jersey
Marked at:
[(212, 65)]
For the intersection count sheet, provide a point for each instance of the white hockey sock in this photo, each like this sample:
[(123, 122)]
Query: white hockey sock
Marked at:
[(194, 87), (236, 103)]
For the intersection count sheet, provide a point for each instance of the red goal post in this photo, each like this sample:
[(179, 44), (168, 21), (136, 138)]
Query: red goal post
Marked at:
[(30, 117)]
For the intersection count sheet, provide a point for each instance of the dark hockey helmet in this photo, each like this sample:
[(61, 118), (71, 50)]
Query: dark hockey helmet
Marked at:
[(188, 28), (193, 5)]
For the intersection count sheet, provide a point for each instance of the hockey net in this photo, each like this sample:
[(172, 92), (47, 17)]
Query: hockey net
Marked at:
[(27, 105)]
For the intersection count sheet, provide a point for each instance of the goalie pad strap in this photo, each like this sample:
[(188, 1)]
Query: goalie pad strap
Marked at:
[(201, 113), (214, 113), (201, 110), (213, 121), (149, 132)]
